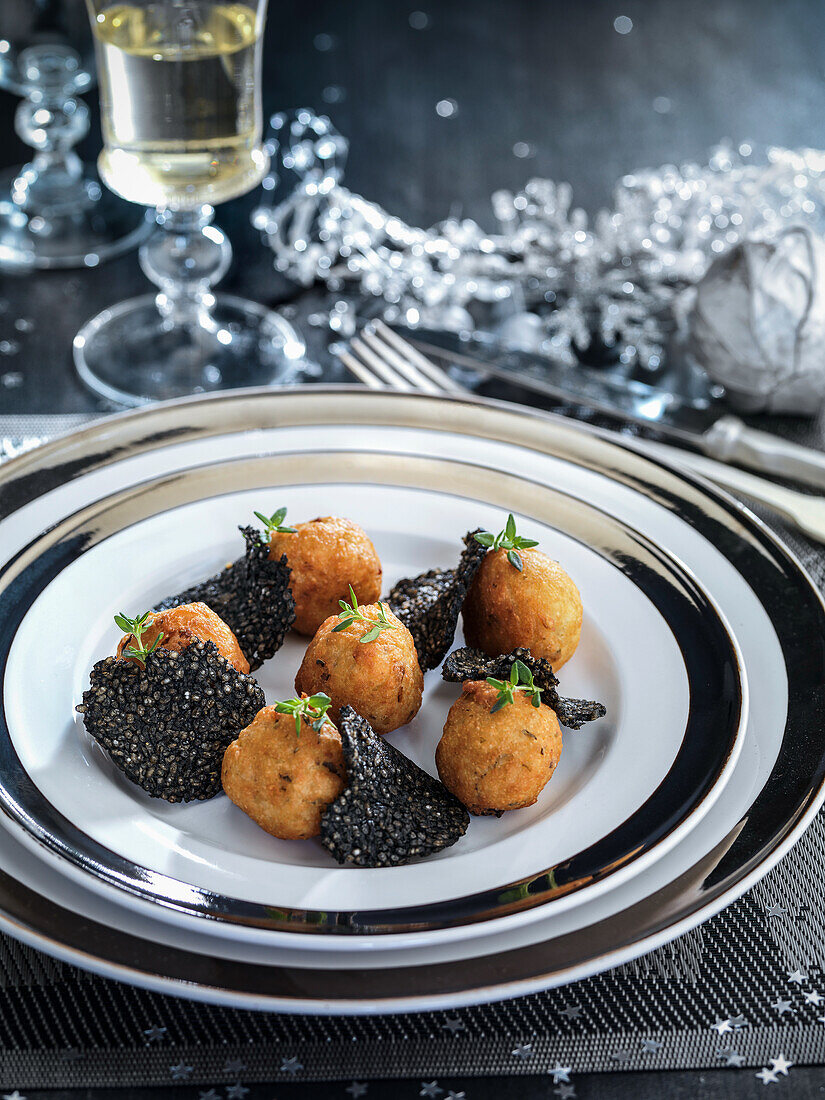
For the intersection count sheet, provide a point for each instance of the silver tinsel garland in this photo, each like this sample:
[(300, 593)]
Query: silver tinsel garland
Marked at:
[(548, 279)]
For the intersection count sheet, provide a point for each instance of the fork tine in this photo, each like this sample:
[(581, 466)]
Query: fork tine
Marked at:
[(416, 359), (379, 366), (362, 373), (389, 355)]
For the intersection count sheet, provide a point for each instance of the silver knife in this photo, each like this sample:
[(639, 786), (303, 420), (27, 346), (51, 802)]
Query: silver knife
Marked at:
[(702, 423)]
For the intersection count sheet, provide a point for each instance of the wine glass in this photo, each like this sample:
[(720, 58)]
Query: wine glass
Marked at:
[(53, 211), (181, 113)]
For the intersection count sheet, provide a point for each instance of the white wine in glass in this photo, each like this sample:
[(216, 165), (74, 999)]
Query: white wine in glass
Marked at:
[(182, 126)]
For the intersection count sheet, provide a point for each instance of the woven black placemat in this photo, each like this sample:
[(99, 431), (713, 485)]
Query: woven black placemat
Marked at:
[(736, 991)]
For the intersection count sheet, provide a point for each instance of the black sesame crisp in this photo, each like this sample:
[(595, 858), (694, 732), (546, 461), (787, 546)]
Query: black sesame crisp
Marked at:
[(168, 724), (429, 604), (390, 811), (471, 664), (252, 596)]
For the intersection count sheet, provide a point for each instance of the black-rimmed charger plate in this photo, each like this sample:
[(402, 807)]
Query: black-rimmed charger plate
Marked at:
[(798, 623)]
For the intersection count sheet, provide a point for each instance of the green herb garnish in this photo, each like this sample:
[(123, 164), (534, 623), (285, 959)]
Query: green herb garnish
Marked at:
[(520, 679), (136, 628), (507, 540), (352, 613), (313, 710), (275, 523)]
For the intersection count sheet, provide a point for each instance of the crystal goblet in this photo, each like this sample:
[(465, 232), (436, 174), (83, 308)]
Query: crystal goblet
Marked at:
[(53, 211), (181, 114)]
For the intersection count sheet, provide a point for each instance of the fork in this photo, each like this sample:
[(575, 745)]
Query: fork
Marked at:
[(381, 359)]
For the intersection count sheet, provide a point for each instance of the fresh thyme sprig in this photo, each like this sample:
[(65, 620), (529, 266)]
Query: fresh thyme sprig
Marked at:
[(313, 710), (520, 679), (275, 522), (352, 613), (507, 540), (136, 628)]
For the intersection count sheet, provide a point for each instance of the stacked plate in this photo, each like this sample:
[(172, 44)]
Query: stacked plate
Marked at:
[(702, 635)]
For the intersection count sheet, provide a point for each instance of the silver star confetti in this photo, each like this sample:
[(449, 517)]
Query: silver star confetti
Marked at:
[(782, 1006), (154, 1034), (13, 1095), (291, 1066), (234, 1066), (523, 1052), (572, 1012), (210, 1094), (780, 1065), (798, 977), (560, 1073), (453, 1024), (356, 1089), (430, 1089), (455, 1095), (722, 1026), (767, 1076), (180, 1072), (236, 1092), (566, 1092), (738, 1021), (812, 997), (776, 911), (732, 1057), (650, 1046), (621, 1055)]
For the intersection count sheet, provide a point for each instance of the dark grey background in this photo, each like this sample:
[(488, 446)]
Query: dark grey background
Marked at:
[(550, 73)]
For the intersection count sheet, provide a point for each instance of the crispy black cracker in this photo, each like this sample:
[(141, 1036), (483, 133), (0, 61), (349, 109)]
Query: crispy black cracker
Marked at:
[(166, 726), (252, 596), (429, 604), (472, 664), (391, 811)]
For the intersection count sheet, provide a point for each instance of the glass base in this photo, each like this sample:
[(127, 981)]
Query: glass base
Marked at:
[(97, 229), (132, 355)]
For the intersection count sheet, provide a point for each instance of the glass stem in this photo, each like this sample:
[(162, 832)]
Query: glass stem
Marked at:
[(51, 120), (185, 259)]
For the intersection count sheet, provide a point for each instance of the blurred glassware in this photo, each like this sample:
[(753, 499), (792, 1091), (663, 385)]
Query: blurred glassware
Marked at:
[(181, 113), (53, 212)]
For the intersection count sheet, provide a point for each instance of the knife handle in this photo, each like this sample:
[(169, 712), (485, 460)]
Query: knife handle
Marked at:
[(731, 440)]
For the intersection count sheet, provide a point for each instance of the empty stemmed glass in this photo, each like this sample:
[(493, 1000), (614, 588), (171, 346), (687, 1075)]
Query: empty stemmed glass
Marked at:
[(53, 211), (181, 114)]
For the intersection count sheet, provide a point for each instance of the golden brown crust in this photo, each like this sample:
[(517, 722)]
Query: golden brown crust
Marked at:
[(539, 608), (382, 680), (497, 762), (326, 556), (181, 625), (282, 779)]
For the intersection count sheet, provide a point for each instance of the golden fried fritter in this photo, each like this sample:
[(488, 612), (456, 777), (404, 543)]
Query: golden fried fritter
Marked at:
[(326, 556), (497, 762), (182, 625), (382, 680), (283, 779), (538, 608)]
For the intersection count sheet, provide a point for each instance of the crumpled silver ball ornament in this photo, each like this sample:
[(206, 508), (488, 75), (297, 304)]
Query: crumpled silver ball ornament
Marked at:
[(758, 323)]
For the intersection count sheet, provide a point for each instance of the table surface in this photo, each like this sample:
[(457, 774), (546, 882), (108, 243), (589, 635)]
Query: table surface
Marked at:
[(591, 103)]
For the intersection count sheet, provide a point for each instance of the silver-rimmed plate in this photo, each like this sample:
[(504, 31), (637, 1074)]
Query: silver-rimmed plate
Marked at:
[(627, 790), (573, 449)]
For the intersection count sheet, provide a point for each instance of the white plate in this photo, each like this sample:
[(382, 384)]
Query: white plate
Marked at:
[(595, 798)]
